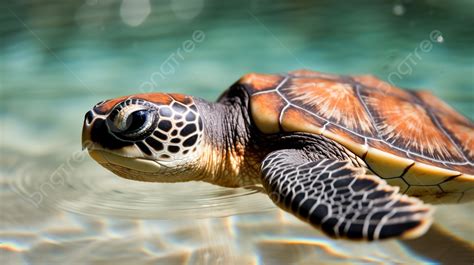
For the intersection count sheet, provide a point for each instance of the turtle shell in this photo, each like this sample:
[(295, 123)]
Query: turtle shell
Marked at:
[(411, 138)]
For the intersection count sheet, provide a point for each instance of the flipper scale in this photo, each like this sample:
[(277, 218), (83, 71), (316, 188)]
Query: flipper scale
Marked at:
[(341, 199)]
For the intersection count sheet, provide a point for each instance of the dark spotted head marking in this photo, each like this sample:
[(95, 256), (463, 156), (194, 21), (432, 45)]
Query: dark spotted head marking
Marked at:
[(162, 128)]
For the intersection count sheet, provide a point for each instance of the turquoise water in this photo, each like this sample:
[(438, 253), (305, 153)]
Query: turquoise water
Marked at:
[(58, 58)]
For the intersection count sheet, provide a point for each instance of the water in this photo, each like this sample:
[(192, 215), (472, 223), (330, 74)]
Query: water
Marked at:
[(59, 58)]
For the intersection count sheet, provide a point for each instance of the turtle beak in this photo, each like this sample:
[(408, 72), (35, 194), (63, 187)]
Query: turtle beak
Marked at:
[(86, 130)]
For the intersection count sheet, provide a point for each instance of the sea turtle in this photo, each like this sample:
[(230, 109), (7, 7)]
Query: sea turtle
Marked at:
[(347, 154)]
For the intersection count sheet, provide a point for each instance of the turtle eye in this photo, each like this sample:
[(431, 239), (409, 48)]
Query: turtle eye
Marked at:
[(133, 122), (136, 120)]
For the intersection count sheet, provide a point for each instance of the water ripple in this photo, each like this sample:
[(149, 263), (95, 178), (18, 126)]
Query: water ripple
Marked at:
[(90, 190)]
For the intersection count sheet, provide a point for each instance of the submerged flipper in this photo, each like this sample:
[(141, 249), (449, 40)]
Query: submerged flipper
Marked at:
[(341, 199)]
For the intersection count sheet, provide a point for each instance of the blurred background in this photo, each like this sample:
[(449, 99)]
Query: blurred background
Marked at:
[(59, 58)]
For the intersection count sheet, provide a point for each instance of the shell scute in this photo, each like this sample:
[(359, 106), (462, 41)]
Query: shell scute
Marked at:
[(332, 101), (265, 110), (425, 174), (260, 82), (353, 142), (293, 121), (386, 165), (371, 82), (407, 125), (459, 128), (463, 183)]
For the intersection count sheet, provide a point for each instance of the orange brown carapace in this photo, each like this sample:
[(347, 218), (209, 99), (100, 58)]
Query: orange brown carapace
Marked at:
[(331, 100), (259, 82), (406, 135)]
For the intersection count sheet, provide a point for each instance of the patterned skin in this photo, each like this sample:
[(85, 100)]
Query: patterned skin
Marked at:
[(320, 145), (159, 127), (341, 199)]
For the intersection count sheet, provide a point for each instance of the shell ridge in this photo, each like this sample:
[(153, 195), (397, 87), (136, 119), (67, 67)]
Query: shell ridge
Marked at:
[(288, 103), (282, 82), (364, 105)]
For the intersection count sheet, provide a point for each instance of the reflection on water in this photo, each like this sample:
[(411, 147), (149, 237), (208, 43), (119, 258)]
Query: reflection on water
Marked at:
[(59, 58), (81, 187)]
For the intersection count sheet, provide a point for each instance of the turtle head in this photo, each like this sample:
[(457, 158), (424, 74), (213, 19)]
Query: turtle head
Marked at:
[(149, 137)]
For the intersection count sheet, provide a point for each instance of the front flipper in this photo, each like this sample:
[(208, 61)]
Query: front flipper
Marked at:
[(341, 199)]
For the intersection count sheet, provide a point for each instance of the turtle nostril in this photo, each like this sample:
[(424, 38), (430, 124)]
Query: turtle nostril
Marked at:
[(88, 117)]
